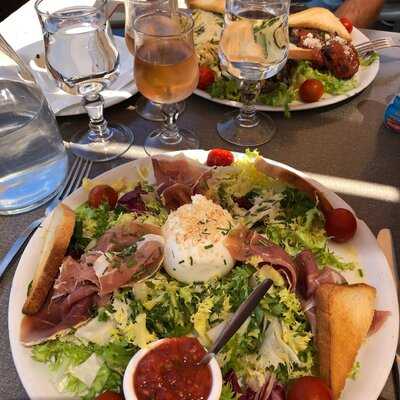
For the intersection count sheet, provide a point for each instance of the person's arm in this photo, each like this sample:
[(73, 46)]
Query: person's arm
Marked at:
[(361, 13)]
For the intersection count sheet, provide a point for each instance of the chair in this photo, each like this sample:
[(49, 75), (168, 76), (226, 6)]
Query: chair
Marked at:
[(391, 14)]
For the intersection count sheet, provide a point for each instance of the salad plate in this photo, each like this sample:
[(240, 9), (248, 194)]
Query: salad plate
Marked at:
[(363, 78), (375, 356)]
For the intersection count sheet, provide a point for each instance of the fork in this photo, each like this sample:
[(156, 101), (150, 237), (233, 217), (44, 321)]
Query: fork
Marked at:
[(375, 45), (80, 169)]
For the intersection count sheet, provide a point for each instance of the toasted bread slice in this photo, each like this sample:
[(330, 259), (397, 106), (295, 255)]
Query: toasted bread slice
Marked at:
[(344, 315), (299, 53), (319, 18), (55, 245), (217, 6)]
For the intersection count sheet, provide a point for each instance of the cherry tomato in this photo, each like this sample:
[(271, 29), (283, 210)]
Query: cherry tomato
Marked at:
[(206, 77), (219, 158), (109, 395), (347, 24), (103, 194), (340, 224), (309, 388), (311, 90)]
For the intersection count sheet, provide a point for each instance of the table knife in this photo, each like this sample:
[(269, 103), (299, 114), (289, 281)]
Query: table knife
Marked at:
[(385, 241)]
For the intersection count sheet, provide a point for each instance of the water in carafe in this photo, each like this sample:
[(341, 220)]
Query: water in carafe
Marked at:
[(33, 161)]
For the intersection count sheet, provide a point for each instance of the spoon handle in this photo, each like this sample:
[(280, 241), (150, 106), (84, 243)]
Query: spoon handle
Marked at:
[(241, 314)]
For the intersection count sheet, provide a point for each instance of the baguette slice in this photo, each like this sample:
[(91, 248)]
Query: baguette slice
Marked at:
[(344, 315), (321, 19), (55, 245), (299, 53), (217, 6)]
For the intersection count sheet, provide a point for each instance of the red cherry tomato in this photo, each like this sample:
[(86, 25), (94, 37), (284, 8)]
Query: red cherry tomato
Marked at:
[(311, 90), (340, 224), (347, 24), (206, 77), (109, 395), (309, 388), (103, 194), (219, 158)]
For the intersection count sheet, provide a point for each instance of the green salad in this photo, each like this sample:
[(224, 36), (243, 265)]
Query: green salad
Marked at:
[(277, 337)]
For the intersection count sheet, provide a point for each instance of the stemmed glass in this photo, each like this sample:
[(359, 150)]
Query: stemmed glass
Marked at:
[(81, 56), (147, 109), (254, 46), (166, 71)]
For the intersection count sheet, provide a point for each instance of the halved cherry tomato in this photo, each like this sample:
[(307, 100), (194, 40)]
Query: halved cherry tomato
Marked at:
[(340, 224), (103, 194), (309, 388), (347, 24), (206, 77), (219, 158), (109, 395), (311, 90)]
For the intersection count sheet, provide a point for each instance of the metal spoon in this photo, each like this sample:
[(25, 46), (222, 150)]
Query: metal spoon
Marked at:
[(241, 314)]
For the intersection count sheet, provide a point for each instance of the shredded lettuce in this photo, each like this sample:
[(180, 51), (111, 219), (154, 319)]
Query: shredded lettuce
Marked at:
[(227, 393), (369, 59)]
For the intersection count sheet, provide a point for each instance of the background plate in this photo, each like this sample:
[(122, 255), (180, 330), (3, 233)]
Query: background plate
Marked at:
[(376, 355), (365, 76)]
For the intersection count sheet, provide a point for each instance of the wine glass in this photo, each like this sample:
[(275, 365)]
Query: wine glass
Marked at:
[(254, 46), (81, 56), (166, 71), (147, 109)]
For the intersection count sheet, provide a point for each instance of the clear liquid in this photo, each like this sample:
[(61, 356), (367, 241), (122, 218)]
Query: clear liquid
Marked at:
[(259, 50), (33, 162), (166, 71), (80, 51)]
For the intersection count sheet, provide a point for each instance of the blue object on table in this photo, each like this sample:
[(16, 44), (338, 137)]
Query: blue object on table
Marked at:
[(392, 115), (330, 4)]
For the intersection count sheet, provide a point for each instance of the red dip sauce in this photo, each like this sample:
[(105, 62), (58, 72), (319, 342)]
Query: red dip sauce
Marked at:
[(170, 372)]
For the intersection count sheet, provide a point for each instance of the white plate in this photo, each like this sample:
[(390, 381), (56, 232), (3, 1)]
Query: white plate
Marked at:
[(64, 104), (376, 355), (364, 76)]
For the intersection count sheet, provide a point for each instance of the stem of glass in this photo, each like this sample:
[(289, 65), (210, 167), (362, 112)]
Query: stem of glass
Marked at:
[(249, 91), (170, 134), (94, 105)]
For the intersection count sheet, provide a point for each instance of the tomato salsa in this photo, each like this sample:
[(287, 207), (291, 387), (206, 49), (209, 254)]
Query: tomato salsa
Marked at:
[(169, 371)]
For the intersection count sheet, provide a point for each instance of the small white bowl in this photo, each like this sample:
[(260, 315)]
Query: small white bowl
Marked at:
[(129, 383)]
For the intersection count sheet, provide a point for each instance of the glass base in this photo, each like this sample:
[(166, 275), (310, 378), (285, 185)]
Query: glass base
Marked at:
[(157, 142), (151, 110), (119, 141), (245, 134)]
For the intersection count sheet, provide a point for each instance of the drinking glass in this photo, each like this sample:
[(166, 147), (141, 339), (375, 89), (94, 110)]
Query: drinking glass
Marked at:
[(166, 71), (254, 46), (81, 56), (147, 109)]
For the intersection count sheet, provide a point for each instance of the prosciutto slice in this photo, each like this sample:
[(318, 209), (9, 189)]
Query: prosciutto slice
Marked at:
[(296, 181), (178, 178), (243, 243), (378, 320), (78, 288)]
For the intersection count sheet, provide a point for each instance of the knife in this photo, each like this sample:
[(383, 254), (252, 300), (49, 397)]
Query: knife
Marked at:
[(385, 241)]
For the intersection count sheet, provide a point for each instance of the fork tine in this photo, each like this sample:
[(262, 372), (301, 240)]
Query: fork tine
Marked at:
[(83, 174), (71, 182), (69, 177), (379, 47), (371, 44)]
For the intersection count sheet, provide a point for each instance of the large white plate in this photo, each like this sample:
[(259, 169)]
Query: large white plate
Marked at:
[(64, 104), (376, 355), (364, 76)]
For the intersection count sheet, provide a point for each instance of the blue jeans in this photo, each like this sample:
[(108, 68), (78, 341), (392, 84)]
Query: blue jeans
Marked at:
[(331, 4)]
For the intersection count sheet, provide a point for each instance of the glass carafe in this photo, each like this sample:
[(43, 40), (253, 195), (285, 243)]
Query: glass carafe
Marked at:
[(33, 161)]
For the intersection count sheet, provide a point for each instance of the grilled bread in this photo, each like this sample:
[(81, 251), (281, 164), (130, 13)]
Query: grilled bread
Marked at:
[(217, 6), (56, 242), (321, 19), (344, 315)]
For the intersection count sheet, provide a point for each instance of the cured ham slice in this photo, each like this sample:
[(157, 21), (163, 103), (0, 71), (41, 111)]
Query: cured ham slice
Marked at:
[(54, 318), (243, 243), (80, 286), (378, 320), (178, 178), (296, 181), (145, 260), (310, 276)]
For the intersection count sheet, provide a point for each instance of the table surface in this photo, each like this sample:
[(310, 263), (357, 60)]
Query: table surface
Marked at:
[(346, 146)]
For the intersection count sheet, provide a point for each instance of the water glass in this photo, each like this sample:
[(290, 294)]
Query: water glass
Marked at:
[(253, 47)]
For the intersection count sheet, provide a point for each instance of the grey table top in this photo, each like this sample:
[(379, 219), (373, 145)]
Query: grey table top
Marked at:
[(347, 141)]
